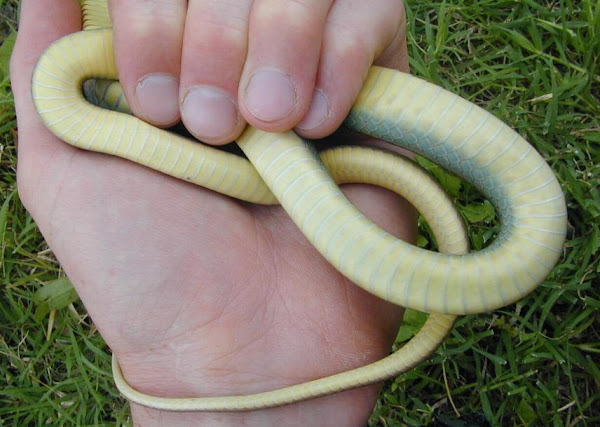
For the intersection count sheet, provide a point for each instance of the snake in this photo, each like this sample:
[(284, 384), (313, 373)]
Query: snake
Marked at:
[(282, 168)]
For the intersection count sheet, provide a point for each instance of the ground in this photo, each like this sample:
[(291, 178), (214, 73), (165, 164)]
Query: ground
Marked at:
[(534, 64)]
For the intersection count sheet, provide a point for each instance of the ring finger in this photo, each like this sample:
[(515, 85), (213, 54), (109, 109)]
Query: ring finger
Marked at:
[(214, 50)]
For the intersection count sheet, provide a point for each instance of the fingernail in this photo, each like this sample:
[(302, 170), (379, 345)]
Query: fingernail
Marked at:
[(157, 96), (208, 113), (270, 95), (317, 113)]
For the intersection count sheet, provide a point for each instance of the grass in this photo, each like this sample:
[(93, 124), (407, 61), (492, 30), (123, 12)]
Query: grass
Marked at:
[(535, 64)]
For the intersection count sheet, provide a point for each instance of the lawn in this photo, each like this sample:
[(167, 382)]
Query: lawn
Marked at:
[(534, 64)]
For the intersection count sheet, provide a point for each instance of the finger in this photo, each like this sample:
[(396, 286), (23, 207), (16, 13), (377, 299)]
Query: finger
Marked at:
[(395, 55), (214, 51), (147, 39), (283, 57), (38, 28), (356, 35)]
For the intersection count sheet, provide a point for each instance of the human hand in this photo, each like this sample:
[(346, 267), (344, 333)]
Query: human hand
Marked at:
[(197, 294), (275, 64)]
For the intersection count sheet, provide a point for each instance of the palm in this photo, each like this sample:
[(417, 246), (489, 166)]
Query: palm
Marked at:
[(197, 294), (168, 268)]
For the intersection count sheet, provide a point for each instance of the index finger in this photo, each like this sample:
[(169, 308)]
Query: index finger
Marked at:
[(148, 37), (39, 27)]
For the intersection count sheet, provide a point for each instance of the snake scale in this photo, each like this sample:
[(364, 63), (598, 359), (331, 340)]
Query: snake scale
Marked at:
[(282, 168)]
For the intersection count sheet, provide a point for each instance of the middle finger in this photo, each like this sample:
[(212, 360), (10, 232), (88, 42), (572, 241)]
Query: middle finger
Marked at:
[(214, 50)]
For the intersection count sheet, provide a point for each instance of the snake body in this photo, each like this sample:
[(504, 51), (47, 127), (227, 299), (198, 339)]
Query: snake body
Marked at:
[(281, 168)]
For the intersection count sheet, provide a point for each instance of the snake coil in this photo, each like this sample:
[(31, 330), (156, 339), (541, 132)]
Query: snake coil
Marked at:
[(281, 168)]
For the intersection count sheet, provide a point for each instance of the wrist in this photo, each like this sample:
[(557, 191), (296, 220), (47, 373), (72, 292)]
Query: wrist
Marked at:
[(347, 408), (165, 374)]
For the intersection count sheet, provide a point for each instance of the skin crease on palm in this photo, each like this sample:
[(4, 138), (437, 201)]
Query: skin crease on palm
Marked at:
[(196, 293)]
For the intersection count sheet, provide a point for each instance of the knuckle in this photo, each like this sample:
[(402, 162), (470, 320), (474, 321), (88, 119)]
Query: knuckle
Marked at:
[(218, 29), (352, 43), (296, 16), (148, 18), (216, 36), (226, 14)]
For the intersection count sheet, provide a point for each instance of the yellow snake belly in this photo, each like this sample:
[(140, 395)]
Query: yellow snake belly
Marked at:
[(281, 168)]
